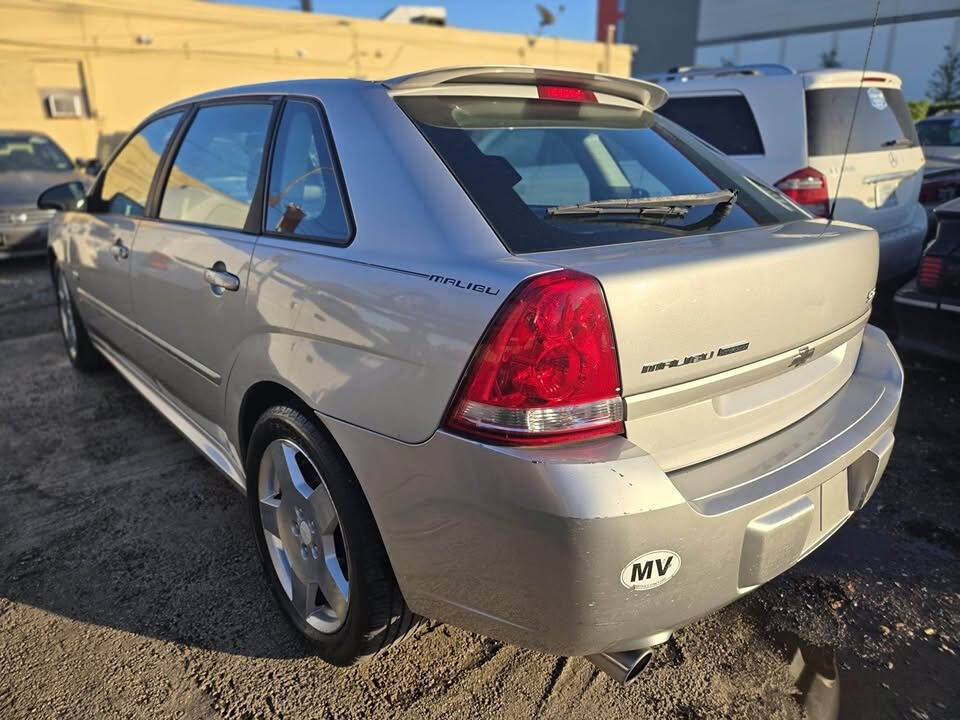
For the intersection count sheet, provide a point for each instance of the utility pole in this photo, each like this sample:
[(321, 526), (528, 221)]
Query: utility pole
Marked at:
[(608, 47), (306, 5)]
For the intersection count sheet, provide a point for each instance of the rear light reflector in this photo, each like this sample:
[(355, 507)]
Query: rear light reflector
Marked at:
[(563, 92), (928, 276), (808, 188), (546, 370)]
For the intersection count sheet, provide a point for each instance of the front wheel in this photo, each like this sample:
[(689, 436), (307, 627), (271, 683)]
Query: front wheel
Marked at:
[(83, 355), (318, 542)]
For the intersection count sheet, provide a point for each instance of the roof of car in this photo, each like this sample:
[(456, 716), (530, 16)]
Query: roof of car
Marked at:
[(303, 86), (692, 79), (23, 133)]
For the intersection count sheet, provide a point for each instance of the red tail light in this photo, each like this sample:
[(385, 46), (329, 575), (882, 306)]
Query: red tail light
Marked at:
[(807, 187), (928, 276), (562, 92), (546, 370), (934, 192)]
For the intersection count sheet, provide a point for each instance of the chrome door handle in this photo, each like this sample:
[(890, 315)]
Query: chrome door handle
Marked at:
[(119, 250), (220, 280)]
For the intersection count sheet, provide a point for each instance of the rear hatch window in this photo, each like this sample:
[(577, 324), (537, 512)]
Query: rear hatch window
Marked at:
[(882, 120), (736, 135), (943, 132), (520, 159)]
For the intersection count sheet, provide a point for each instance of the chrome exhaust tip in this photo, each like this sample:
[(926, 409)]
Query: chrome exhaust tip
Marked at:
[(624, 667)]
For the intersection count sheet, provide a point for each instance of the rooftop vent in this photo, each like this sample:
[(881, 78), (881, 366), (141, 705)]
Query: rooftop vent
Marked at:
[(417, 15)]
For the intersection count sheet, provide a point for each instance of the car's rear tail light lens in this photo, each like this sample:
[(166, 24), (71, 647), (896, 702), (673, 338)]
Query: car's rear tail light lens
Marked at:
[(934, 192), (546, 370), (807, 187), (928, 276), (929, 192), (563, 92)]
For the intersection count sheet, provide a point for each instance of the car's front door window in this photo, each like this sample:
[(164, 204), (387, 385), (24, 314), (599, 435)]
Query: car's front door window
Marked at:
[(126, 183)]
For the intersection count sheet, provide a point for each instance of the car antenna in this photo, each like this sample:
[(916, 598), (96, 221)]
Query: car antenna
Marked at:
[(856, 104)]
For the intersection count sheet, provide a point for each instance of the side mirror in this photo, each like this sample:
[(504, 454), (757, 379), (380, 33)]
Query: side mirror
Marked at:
[(68, 196), (90, 167)]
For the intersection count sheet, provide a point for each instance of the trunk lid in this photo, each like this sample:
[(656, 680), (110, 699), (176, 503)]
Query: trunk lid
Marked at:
[(727, 337)]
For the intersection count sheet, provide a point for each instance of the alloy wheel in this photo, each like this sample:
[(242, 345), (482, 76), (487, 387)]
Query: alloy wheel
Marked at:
[(67, 323), (303, 536)]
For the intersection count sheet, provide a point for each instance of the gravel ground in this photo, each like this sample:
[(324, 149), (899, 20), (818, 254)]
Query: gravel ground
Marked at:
[(129, 586)]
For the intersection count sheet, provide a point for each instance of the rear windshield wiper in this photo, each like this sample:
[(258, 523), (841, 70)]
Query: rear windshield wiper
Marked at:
[(899, 142), (662, 206)]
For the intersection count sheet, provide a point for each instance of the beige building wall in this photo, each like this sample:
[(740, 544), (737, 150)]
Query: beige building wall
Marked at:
[(124, 59)]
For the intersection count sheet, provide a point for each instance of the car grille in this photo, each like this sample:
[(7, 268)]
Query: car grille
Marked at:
[(13, 218)]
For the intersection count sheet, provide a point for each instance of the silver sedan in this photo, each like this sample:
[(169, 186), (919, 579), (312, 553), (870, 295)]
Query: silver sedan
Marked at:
[(497, 346)]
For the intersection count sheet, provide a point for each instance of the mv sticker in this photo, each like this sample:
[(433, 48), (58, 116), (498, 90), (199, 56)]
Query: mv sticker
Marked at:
[(650, 570)]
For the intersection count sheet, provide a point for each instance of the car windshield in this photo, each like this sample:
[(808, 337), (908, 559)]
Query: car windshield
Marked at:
[(942, 132), (520, 159), (31, 152)]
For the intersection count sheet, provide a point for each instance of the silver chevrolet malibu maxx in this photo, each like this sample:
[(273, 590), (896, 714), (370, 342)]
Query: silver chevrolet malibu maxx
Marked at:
[(494, 345)]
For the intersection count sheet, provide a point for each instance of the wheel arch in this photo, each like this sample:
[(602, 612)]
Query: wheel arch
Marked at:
[(259, 398)]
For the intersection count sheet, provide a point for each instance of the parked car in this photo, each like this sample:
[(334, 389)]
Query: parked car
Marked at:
[(29, 163), (940, 135), (498, 346), (928, 307), (791, 130), (941, 183)]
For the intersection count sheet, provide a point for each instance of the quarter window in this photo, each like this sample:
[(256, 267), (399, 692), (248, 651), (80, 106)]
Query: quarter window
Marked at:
[(304, 198), (214, 177), (126, 183), (724, 121)]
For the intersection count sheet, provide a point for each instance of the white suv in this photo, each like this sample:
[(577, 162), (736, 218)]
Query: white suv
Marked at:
[(790, 130)]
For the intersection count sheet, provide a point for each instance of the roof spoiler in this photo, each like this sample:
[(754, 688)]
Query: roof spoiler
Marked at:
[(648, 94)]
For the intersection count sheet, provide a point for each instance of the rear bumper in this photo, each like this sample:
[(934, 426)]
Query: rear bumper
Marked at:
[(528, 545), (900, 249), (22, 240)]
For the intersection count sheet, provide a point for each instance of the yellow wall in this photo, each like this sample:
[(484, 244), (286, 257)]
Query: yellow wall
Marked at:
[(193, 46)]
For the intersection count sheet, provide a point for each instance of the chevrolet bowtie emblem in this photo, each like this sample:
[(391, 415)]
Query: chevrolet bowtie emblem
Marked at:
[(803, 355)]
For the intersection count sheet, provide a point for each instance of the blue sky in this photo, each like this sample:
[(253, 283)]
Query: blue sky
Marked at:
[(578, 20)]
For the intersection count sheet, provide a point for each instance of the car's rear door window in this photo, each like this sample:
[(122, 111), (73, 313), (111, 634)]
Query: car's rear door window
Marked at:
[(521, 158), (882, 120), (724, 121), (305, 198), (126, 181), (215, 173)]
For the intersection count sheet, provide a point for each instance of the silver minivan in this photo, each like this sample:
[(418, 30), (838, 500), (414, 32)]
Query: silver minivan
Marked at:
[(498, 346)]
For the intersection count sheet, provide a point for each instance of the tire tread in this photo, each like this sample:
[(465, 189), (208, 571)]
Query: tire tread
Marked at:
[(388, 619)]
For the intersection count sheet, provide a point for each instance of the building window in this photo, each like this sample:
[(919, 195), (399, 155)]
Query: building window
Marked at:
[(64, 104)]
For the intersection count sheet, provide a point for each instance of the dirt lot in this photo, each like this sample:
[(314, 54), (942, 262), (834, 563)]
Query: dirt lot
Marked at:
[(129, 587)]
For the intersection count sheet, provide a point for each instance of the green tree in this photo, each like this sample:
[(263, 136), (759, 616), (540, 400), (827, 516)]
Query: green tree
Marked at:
[(918, 109), (829, 59), (945, 84)]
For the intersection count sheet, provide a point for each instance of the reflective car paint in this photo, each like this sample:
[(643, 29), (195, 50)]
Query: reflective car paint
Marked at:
[(526, 545)]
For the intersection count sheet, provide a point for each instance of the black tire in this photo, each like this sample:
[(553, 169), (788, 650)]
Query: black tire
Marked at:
[(376, 613), (81, 352)]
